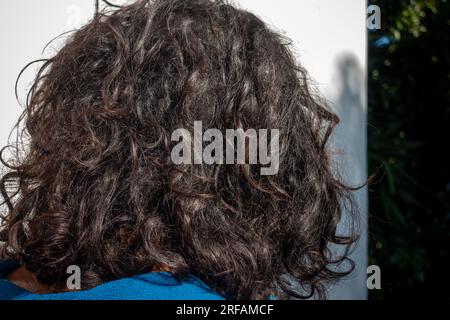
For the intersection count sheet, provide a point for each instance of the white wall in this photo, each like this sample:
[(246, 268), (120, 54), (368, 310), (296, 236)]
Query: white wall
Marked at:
[(330, 38)]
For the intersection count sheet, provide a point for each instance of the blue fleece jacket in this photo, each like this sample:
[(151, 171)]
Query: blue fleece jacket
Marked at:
[(150, 286)]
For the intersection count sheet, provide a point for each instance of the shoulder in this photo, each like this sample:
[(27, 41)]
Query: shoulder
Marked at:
[(155, 286), (150, 286)]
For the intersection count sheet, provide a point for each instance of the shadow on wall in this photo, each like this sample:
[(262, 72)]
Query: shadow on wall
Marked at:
[(350, 140)]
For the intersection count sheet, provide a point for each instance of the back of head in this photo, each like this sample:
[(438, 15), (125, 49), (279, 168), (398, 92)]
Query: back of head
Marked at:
[(98, 188)]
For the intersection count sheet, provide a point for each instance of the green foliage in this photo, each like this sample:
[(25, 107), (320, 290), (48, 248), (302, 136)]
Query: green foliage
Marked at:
[(409, 99)]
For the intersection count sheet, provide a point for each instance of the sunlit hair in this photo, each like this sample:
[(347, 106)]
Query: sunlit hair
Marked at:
[(96, 187)]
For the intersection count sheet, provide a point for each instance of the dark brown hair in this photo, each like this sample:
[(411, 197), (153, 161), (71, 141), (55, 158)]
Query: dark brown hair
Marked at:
[(96, 187)]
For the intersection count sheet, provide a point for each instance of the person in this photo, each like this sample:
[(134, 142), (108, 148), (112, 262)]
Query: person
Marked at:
[(93, 187)]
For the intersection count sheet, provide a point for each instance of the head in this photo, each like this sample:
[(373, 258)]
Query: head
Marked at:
[(96, 185)]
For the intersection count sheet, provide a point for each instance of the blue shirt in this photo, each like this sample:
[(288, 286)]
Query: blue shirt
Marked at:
[(150, 286)]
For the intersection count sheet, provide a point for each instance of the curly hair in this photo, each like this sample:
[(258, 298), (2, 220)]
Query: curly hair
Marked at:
[(94, 184)]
